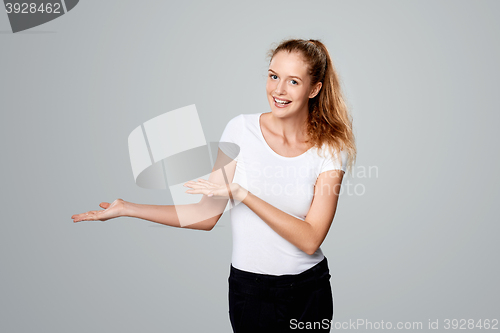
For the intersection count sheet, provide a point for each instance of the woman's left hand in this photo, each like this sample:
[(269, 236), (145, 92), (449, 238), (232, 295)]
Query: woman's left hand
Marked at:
[(214, 190)]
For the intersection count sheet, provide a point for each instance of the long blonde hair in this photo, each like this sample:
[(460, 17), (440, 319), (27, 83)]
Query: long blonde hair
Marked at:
[(329, 119)]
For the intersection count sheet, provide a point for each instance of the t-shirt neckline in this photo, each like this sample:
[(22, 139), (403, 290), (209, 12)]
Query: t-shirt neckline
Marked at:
[(261, 135)]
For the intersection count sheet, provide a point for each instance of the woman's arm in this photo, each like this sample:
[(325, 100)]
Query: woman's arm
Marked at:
[(169, 215), (309, 234), (202, 215)]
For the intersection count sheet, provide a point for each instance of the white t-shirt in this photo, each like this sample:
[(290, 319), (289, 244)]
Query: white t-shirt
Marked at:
[(286, 183)]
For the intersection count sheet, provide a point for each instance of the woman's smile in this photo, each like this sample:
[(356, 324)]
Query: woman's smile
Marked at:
[(281, 103)]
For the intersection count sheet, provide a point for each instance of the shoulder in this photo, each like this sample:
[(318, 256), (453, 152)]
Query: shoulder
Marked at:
[(237, 126), (327, 151), (233, 126), (332, 159), (239, 119), (243, 120)]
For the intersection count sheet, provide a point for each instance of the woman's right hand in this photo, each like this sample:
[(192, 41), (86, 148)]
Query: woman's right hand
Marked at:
[(115, 209)]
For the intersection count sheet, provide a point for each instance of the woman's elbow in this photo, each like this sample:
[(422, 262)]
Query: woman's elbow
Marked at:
[(214, 221), (209, 227), (311, 251), (208, 224), (311, 247)]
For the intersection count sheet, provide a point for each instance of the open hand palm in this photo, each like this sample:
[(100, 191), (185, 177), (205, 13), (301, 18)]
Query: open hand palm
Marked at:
[(110, 211)]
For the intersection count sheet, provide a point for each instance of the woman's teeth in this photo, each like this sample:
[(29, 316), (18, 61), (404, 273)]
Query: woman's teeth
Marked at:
[(280, 101)]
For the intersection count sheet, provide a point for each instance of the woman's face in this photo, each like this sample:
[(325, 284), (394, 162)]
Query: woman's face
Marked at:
[(288, 84)]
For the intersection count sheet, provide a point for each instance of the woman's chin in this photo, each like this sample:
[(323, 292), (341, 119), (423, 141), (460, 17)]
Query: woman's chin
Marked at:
[(281, 112)]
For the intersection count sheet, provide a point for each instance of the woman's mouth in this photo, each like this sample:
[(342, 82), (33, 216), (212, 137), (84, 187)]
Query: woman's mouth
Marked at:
[(281, 103)]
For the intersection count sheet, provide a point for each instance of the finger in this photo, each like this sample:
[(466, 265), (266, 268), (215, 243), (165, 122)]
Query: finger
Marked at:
[(85, 217), (89, 216), (195, 185), (76, 216), (86, 213)]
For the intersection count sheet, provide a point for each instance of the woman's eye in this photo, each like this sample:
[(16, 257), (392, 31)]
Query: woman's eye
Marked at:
[(274, 77), (294, 82)]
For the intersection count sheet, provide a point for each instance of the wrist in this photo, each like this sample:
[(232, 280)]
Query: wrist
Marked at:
[(241, 194), (127, 209)]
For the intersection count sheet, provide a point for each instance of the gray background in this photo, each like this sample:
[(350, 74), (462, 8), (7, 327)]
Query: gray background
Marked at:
[(421, 78)]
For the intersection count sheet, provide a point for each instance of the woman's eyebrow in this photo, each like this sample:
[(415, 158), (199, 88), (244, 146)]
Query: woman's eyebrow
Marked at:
[(297, 77)]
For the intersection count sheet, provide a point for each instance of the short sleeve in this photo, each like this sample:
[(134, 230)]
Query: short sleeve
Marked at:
[(229, 142), (331, 163)]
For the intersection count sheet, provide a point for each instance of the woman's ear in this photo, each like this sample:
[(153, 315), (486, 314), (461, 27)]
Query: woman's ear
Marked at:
[(315, 90)]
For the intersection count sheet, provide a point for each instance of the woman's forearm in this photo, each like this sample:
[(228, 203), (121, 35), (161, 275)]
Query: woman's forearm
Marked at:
[(298, 232), (192, 216)]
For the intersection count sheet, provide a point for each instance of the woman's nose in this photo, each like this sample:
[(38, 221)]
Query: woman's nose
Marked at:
[(280, 89)]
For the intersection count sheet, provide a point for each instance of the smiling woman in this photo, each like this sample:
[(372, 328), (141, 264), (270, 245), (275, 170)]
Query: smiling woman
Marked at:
[(284, 184), (289, 184)]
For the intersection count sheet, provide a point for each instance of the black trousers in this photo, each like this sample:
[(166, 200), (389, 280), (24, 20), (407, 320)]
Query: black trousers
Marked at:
[(284, 303)]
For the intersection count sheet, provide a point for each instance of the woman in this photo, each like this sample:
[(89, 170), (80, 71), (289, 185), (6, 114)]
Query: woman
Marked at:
[(285, 177)]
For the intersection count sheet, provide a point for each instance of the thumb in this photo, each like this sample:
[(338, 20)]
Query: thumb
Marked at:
[(104, 205)]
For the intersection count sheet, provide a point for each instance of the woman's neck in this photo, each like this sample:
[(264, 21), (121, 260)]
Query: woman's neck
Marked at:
[(292, 129)]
